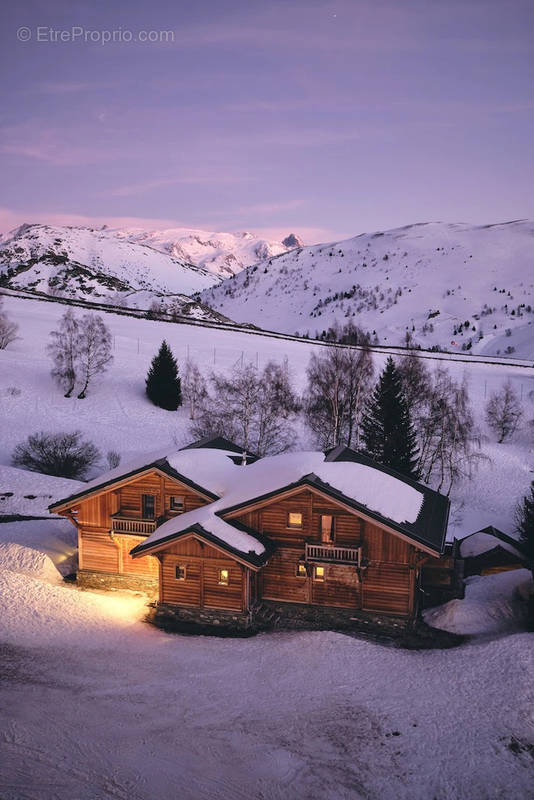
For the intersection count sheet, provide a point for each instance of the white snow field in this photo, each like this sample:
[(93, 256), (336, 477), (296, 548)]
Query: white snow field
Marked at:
[(97, 704), (116, 415)]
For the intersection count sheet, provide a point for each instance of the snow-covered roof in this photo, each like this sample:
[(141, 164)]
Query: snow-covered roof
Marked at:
[(485, 540), (387, 496)]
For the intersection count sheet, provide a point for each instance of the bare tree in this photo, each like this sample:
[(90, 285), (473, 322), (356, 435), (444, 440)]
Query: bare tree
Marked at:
[(8, 329), (113, 458), (449, 444), (63, 349), (338, 382), (194, 389), (61, 454), (504, 412), (252, 407), (416, 383), (94, 349)]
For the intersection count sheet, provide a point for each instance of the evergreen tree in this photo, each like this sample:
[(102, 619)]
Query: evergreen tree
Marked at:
[(387, 430), (525, 522), (163, 384)]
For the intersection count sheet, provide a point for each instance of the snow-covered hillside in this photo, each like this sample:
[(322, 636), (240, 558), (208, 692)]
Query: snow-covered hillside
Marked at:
[(452, 285), (89, 264), (223, 254)]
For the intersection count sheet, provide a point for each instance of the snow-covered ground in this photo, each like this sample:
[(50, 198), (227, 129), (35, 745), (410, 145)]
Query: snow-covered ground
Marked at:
[(449, 283), (116, 415), (98, 704)]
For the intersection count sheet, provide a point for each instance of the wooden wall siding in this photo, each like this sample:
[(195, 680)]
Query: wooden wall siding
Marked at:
[(279, 581), (146, 565), (96, 511), (98, 552), (201, 587), (193, 547), (163, 489), (272, 520), (379, 545), (388, 588)]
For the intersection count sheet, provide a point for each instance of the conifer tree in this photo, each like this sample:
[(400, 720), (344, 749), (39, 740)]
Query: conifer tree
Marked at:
[(525, 522), (387, 430), (163, 384)]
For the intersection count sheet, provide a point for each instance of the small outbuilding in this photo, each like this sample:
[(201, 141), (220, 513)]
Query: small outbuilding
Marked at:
[(489, 550)]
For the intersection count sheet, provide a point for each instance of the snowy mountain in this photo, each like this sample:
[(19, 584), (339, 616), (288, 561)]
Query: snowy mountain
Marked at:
[(90, 264), (456, 286), (223, 254)]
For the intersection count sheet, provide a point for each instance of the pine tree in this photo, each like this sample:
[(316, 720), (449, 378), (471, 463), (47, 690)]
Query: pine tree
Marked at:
[(387, 430), (163, 384), (525, 522)]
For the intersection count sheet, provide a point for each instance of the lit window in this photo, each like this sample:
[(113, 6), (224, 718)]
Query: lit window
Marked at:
[(302, 572), (224, 576), (319, 573), (180, 573), (177, 502), (294, 520), (327, 528)]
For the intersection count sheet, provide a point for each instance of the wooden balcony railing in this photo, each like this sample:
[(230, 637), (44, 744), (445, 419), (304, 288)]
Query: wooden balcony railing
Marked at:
[(331, 552), (130, 525)]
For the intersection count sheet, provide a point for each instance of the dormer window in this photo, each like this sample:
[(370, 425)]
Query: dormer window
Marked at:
[(294, 519)]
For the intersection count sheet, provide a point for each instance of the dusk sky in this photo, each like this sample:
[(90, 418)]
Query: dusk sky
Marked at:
[(323, 118)]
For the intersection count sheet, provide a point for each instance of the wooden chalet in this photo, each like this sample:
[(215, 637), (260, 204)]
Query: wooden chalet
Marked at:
[(223, 538), (489, 551)]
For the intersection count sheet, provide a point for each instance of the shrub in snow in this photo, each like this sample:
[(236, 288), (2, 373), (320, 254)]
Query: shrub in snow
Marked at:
[(65, 455), (113, 458), (163, 385), (504, 412)]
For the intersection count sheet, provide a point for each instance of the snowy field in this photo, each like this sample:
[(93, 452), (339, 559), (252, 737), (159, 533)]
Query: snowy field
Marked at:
[(98, 704), (116, 415)]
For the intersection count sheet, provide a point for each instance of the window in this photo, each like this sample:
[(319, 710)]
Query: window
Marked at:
[(294, 520), (148, 506), (180, 572), (327, 528), (177, 502), (302, 572), (224, 577), (319, 573)]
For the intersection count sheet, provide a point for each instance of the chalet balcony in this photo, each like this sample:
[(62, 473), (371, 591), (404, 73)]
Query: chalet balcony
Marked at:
[(333, 553), (121, 524)]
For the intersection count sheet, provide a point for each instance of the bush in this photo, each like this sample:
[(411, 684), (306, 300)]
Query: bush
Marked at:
[(62, 454), (113, 458)]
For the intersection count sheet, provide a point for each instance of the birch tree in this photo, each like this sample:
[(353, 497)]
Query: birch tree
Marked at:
[(504, 412), (94, 350), (63, 348)]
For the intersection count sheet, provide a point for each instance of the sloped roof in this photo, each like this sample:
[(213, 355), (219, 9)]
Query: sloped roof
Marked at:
[(392, 500), (202, 472), (488, 539)]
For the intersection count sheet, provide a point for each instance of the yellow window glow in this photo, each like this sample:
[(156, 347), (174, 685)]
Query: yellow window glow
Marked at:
[(294, 519), (301, 571), (224, 576), (319, 573)]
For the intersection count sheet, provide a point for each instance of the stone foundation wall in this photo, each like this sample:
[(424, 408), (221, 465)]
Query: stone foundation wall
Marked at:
[(114, 581), (269, 615), (200, 620)]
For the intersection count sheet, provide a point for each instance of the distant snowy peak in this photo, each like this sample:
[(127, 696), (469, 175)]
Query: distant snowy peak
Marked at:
[(96, 264), (223, 254), (455, 286)]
